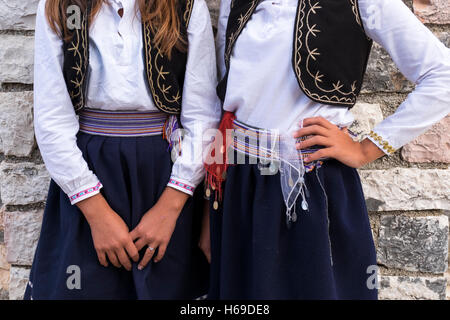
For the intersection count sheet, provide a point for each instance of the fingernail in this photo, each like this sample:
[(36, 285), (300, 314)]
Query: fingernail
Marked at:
[(140, 267), (156, 261), (306, 159)]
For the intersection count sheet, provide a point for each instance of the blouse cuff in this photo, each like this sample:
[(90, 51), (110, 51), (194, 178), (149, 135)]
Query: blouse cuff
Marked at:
[(84, 193), (181, 185), (381, 143)]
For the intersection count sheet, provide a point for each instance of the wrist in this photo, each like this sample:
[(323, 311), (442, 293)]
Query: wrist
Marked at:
[(369, 151), (94, 208), (173, 201)]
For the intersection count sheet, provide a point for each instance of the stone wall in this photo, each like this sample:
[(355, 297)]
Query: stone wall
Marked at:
[(407, 194)]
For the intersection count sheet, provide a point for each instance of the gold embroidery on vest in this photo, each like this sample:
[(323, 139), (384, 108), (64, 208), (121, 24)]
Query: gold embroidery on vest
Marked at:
[(160, 81), (355, 10), (82, 55), (176, 99), (188, 12), (148, 57), (312, 53), (242, 22)]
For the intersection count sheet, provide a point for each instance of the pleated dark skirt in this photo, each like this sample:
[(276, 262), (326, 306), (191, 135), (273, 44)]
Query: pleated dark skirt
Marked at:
[(134, 172), (256, 256)]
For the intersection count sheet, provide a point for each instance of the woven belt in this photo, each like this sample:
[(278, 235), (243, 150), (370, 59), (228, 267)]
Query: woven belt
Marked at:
[(122, 123), (264, 144)]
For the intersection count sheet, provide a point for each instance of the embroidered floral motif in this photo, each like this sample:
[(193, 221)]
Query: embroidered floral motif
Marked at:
[(79, 47), (85, 192), (166, 97), (303, 19), (383, 143)]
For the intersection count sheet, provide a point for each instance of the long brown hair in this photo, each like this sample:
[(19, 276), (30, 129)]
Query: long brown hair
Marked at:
[(162, 15)]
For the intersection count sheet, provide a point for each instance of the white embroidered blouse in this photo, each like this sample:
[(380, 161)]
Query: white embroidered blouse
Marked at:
[(117, 82), (262, 82)]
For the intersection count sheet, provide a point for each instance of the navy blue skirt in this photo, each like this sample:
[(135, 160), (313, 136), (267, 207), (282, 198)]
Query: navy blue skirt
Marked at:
[(134, 172), (256, 256)]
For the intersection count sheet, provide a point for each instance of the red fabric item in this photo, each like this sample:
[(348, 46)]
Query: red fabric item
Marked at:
[(216, 172)]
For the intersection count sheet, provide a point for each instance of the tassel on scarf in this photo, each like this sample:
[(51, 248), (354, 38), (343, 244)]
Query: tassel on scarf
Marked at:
[(216, 172)]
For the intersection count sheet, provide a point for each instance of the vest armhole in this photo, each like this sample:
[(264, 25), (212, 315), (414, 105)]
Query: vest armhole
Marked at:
[(357, 12)]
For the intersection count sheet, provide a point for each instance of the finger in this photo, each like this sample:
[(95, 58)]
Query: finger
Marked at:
[(141, 243), (113, 259), (314, 141), (318, 121), (161, 252), (124, 259), (322, 153), (147, 257), (312, 130), (102, 258), (132, 251), (135, 234)]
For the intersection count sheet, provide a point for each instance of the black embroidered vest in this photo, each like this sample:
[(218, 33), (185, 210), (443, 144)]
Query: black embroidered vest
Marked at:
[(165, 77), (331, 49)]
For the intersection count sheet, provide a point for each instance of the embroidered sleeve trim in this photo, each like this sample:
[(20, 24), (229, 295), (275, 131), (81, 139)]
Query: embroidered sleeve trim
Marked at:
[(86, 193), (181, 186), (381, 143)]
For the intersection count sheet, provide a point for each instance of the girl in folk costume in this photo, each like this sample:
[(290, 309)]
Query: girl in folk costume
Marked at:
[(291, 222), (119, 221)]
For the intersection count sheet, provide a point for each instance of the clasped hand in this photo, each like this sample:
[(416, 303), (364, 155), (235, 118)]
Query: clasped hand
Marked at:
[(114, 242)]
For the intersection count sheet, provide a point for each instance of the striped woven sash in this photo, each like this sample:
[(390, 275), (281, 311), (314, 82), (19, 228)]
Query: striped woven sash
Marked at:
[(122, 123), (263, 144)]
